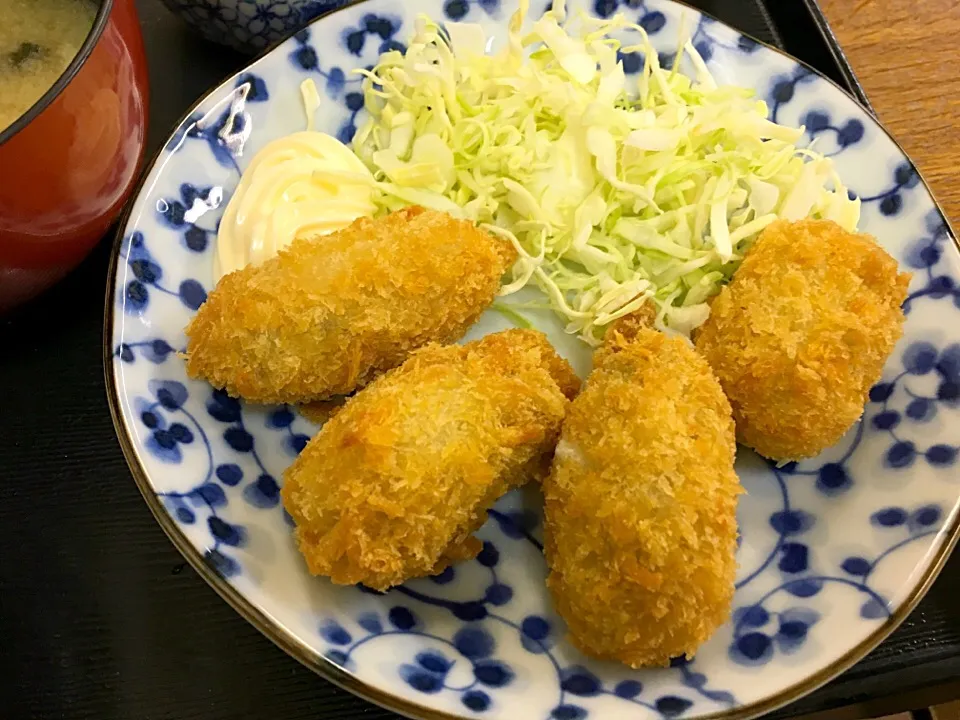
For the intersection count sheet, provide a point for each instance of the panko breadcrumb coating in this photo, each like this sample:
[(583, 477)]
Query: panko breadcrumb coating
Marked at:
[(396, 483), (640, 528), (801, 334), (330, 313)]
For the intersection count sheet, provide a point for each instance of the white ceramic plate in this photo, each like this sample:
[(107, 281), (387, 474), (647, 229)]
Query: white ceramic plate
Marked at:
[(835, 551)]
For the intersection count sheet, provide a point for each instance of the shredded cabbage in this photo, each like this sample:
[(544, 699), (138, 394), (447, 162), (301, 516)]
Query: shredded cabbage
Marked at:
[(613, 189)]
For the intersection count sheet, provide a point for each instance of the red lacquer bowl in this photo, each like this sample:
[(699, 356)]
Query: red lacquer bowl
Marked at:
[(68, 164)]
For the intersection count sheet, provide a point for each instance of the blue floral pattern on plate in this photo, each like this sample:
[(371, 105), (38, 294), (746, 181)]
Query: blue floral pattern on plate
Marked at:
[(831, 548)]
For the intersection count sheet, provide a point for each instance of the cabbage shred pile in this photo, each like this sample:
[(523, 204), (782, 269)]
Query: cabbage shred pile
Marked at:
[(614, 189)]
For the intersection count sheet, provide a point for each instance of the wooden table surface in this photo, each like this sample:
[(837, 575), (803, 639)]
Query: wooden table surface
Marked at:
[(906, 55)]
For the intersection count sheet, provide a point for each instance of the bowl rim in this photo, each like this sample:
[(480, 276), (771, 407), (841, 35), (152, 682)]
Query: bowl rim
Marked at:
[(93, 37), (328, 670)]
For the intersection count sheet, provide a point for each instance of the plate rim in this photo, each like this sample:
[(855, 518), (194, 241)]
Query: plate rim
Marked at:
[(330, 671)]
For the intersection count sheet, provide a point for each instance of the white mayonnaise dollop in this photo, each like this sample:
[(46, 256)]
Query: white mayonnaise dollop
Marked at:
[(302, 185)]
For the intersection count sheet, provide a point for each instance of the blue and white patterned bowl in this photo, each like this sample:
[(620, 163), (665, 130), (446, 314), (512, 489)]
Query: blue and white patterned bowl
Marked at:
[(835, 551), (250, 25)]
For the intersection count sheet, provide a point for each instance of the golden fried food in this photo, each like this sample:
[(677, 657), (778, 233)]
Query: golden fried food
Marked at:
[(396, 483), (320, 411), (330, 313), (640, 528), (801, 334)]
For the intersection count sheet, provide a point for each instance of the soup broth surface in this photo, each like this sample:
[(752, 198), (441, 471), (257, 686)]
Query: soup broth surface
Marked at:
[(38, 39)]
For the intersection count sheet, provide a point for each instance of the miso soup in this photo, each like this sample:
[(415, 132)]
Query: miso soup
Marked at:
[(38, 40)]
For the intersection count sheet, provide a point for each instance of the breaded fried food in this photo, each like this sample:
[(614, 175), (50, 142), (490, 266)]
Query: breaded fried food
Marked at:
[(640, 528), (396, 483), (801, 334), (330, 313)]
